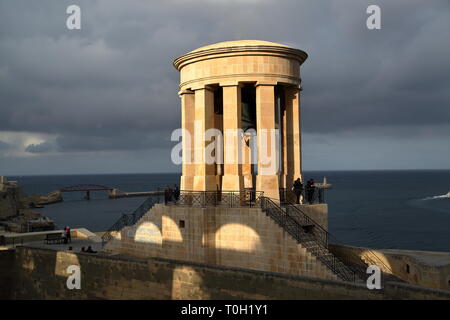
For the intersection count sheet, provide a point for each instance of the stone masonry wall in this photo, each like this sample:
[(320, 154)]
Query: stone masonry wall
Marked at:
[(41, 274), (428, 269), (235, 237), (8, 202), (7, 273)]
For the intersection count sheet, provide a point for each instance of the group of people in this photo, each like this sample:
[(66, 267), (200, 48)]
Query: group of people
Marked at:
[(171, 194), (88, 250), (83, 249), (68, 239), (309, 188)]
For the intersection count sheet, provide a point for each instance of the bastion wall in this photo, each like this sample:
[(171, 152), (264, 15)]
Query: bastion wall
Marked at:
[(42, 274), (427, 269), (9, 200)]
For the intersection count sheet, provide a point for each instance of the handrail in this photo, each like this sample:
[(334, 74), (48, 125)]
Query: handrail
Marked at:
[(320, 251), (232, 199), (130, 219), (375, 261)]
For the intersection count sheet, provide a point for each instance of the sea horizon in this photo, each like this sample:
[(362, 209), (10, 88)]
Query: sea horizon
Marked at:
[(390, 209), (179, 172)]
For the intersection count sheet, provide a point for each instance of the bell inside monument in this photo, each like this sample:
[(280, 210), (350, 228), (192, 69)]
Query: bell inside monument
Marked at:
[(248, 100)]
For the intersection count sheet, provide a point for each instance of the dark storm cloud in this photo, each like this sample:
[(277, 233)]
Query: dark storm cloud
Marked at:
[(111, 86), (128, 141)]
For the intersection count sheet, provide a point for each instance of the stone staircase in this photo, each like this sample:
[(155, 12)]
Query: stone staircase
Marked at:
[(316, 239), (130, 219), (311, 239)]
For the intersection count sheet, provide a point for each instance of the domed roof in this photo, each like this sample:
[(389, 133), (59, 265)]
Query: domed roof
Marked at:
[(237, 47), (239, 43)]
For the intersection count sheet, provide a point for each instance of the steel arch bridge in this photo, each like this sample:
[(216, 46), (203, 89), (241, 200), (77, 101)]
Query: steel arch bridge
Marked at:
[(86, 187)]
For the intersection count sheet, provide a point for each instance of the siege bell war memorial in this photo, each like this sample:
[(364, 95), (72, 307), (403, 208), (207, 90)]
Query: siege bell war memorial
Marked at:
[(236, 229)]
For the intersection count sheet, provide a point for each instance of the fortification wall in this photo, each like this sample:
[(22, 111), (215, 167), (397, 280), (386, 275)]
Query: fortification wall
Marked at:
[(428, 269), (237, 237), (7, 273), (41, 274), (9, 199)]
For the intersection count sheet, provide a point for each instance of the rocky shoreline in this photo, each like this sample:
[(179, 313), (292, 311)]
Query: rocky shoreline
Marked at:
[(16, 214)]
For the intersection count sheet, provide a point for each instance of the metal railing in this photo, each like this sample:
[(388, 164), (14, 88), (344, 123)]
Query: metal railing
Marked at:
[(359, 264), (309, 240), (230, 199), (351, 260), (130, 219), (321, 235)]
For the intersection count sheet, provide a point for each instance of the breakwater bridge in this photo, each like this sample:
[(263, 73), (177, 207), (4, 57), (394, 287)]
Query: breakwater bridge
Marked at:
[(113, 193)]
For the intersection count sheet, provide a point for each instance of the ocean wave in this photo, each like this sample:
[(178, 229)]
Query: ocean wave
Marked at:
[(443, 196)]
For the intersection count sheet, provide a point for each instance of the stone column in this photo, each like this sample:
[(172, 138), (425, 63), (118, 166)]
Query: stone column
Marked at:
[(293, 136), (205, 178), (283, 132), (267, 179), (187, 124), (232, 179)]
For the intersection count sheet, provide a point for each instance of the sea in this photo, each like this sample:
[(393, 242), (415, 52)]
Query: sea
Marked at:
[(378, 209)]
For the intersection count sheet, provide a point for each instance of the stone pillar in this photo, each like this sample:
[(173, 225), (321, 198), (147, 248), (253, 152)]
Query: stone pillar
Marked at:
[(267, 178), (187, 124), (293, 136), (232, 179), (205, 178), (283, 132)]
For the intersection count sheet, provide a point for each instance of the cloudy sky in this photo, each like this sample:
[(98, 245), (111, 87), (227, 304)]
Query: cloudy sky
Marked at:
[(103, 99)]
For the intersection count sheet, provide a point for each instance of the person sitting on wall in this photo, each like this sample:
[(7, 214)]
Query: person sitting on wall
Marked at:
[(298, 189), (82, 249), (89, 249)]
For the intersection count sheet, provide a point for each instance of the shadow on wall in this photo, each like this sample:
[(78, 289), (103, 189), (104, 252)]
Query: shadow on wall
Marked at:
[(225, 238), (101, 277), (229, 238), (404, 265), (106, 277)]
